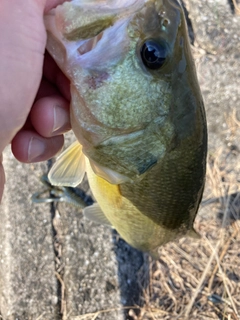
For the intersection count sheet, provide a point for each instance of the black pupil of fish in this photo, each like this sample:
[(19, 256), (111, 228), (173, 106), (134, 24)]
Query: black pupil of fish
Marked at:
[(153, 54)]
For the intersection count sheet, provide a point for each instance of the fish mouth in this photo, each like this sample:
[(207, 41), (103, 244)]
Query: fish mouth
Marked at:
[(90, 44), (94, 30), (100, 16)]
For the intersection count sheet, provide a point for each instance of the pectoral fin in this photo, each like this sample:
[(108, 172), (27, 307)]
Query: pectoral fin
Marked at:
[(111, 176), (95, 214), (69, 169)]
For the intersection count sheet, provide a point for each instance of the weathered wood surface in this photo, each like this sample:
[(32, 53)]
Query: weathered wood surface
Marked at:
[(55, 265)]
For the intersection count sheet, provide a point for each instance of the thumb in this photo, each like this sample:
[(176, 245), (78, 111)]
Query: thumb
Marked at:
[(22, 46)]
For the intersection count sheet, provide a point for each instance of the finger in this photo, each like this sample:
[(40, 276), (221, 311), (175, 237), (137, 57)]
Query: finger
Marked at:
[(22, 40), (46, 89), (28, 146), (55, 76), (50, 116)]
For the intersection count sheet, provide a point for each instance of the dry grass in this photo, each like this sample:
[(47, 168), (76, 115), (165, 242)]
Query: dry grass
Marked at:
[(236, 6)]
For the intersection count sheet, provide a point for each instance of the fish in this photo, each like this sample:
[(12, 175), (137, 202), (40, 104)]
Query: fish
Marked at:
[(137, 113)]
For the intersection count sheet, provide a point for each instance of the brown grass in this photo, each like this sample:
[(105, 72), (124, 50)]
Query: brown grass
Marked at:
[(237, 7)]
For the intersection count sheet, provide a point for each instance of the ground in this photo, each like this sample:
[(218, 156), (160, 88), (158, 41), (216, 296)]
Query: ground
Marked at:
[(55, 265)]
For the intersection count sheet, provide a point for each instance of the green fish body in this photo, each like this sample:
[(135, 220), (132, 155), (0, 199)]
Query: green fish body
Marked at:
[(137, 112)]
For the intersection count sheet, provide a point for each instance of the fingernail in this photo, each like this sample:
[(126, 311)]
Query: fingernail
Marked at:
[(59, 119), (36, 149)]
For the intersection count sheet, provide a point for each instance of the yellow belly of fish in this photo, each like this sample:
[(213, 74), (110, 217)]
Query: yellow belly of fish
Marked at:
[(133, 226)]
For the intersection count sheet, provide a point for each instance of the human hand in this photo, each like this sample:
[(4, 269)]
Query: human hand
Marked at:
[(34, 107)]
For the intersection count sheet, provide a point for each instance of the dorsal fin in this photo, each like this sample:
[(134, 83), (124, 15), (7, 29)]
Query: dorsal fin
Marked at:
[(69, 168)]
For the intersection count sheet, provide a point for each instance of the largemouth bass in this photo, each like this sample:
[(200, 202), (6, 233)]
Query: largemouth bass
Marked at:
[(137, 113)]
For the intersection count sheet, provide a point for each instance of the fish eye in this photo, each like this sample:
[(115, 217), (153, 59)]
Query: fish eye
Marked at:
[(154, 54)]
